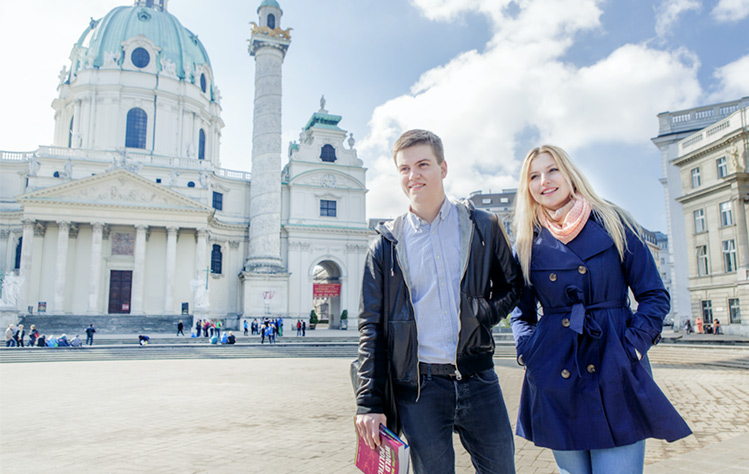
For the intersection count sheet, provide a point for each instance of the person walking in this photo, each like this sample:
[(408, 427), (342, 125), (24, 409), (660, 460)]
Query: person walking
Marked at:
[(304, 328), (90, 335), (245, 327), (180, 327), (716, 327), (198, 327), (436, 280), (699, 323), (588, 392)]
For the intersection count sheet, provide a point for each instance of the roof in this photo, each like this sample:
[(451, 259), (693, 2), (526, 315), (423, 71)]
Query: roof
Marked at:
[(323, 120)]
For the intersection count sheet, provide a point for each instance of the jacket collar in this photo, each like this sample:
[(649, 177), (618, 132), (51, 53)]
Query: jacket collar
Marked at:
[(549, 253)]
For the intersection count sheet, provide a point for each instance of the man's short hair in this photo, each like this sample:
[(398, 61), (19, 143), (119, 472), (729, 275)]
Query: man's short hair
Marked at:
[(420, 137)]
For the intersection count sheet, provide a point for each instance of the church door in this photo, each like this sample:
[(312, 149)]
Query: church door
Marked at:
[(120, 284)]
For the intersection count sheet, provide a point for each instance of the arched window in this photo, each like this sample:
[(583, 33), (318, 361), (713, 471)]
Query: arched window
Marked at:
[(216, 259), (18, 253), (328, 154), (191, 184), (203, 83), (201, 145), (271, 21), (70, 133), (135, 133)]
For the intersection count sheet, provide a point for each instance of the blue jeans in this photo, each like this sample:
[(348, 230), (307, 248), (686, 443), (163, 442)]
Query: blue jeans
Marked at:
[(628, 459), (474, 408)]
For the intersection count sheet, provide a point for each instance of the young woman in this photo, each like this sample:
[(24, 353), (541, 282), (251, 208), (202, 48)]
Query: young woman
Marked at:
[(588, 392)]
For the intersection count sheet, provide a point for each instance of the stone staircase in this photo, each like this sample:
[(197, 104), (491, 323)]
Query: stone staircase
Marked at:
[(110, 323)]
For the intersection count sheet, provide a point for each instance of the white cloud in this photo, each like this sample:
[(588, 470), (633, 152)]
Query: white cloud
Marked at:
[(668, 13), (484, 104), (732, 81), (731, 10)]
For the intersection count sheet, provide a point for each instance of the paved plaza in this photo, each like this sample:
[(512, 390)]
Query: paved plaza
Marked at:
[(283, 416)]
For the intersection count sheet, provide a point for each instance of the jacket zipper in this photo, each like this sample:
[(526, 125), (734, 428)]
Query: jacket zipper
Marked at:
[(458, 375)]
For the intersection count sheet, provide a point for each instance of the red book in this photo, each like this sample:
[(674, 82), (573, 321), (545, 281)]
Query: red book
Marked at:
[(390, 458)]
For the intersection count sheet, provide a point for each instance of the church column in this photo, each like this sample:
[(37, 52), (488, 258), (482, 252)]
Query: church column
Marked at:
[(63, 235), (139, 270), (171, 268), (201, 261), (742, 240), (27, 245), (94, 281), (7, 262)]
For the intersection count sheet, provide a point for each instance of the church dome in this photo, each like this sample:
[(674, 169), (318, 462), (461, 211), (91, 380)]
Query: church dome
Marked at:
[(176, 48)]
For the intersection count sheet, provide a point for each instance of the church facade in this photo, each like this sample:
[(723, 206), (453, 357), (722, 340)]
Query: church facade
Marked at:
[(129, 212)]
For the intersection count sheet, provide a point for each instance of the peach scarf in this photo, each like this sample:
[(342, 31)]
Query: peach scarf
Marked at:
[(566, 222)]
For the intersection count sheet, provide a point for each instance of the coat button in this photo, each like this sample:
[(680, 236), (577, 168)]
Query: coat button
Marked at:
[(566, 322), (565, 374), (553, 276), (582, 270), (591, 369)]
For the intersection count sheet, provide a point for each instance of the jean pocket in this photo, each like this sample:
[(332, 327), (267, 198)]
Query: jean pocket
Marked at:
[(488, 376)]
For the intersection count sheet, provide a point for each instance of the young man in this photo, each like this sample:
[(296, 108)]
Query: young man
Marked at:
[(441, 276)]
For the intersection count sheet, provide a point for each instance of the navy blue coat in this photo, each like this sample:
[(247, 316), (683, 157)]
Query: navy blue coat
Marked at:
[(584, 386)]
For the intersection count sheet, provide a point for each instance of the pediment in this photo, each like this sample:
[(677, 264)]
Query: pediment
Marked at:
[(117, 188), (323, 178)]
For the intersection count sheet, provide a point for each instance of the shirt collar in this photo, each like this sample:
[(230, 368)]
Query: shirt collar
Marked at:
[(417, 222)]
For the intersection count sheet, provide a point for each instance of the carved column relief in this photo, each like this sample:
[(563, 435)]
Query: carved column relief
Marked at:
[(139, 269), (27, 244), (94, 285), (63, 236)]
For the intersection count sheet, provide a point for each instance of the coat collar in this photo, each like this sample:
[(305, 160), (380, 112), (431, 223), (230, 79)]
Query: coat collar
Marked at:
[(549, 253)]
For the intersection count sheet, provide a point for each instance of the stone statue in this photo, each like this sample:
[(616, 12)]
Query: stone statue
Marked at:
[(735, 161), (34, 165), (111, 58), (67, 171), (351, 140), (200, 294), (63, 74), (11, 290), (203, 179), (173, 179), (322, 104)]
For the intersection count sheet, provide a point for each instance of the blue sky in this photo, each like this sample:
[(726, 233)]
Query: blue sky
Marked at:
[(492, 77)]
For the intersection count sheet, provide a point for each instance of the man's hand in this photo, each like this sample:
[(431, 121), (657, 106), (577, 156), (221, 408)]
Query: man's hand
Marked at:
[(368, 427)]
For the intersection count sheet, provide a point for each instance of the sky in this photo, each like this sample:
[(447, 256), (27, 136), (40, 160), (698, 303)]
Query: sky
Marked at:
[(493, 78)]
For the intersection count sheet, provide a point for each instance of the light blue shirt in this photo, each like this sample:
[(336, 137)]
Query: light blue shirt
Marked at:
[(433, 253)]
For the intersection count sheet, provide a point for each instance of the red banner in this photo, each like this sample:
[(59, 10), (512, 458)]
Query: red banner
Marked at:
[(325, 290)]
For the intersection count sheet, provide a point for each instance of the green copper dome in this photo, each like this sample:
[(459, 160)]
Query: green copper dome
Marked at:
[(269, 3), (103, 38)]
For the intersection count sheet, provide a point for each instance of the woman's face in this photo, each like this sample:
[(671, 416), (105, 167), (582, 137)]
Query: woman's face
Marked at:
[(547, 184)]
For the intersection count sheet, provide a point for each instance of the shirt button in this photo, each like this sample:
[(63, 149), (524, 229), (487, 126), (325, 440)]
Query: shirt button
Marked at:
[(565, 374), (553, 276), (582, 270), (591, 369), (566, 322)]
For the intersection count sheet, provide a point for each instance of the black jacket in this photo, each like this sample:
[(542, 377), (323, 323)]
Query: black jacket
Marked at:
[(490, 286)]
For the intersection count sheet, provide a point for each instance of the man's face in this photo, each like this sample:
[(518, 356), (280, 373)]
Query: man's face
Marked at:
[(420, 175)]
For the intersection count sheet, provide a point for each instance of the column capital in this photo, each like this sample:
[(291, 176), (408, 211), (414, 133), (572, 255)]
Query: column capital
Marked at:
[(39, 229), (63, 225), (4, 233), (141, 227), (98, 226), (172, 229)]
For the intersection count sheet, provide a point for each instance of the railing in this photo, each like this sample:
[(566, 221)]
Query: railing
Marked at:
[(15, 155), (714, 132)]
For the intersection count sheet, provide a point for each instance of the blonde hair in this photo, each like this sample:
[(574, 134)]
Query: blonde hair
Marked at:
[(526, 219)]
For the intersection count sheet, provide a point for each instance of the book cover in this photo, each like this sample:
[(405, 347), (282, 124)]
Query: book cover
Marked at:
[(390, 458)]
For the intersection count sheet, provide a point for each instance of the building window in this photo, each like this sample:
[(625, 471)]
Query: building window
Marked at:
[(216, 259), (135, 134), (328, 154), (140, 58), (327, 208), (271, 21), (734, 310), (726, 215), (203, 83), (707, 311), (722, 167), (201, 145), (18, 253), (218, 201), (70, 133), (699, 221), (191, 184), (703, 268), (695, 178), (729, 256)]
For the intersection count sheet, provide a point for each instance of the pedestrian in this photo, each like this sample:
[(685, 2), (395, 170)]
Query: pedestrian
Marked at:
[(198, 327), (588, 391), (279, 325), (231, 338), (688, 327), (298, 327), (10, 336), (218, 328), (76, 341), (62, 341), (19, 335), (441, 275), (716, 327), (262, 334), (90, 335), (304, 328), (180, 327), (41, 341), (33, 335), (699, 323), (270, 332), (245, 327)]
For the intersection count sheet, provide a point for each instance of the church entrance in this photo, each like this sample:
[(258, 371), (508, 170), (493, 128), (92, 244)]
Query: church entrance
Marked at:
[(120, 286), (326, 292)]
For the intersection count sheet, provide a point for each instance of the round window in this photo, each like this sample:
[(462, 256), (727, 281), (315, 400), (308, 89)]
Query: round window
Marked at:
[(140, 57), (202, 82)]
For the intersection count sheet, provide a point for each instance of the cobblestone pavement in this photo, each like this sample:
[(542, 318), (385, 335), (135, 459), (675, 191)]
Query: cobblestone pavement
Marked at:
[(274, 416)]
